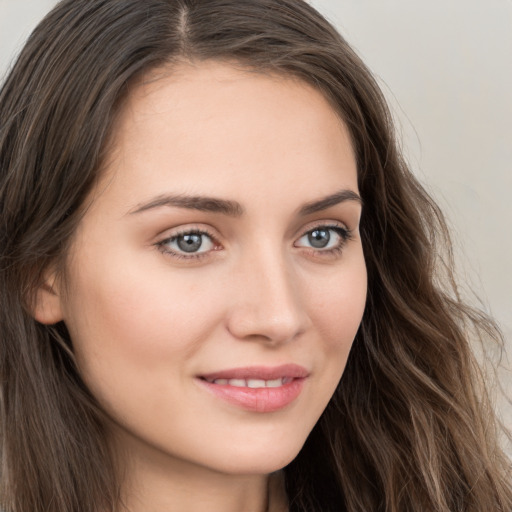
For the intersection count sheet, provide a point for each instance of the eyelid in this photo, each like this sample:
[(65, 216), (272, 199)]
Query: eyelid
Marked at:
[(342, 231), (170, 235), (324, 223)]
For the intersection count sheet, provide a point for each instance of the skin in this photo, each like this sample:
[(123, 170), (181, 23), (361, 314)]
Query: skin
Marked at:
[(145, 322)]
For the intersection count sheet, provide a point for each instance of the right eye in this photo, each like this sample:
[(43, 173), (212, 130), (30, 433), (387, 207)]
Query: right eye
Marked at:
[(188, 244)]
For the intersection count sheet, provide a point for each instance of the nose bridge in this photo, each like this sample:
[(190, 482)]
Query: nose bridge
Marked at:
[(267, 304)]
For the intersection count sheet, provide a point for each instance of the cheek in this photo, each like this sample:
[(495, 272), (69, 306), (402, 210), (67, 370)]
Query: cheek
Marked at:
[(336, 304), (126, 320), (337, 308)]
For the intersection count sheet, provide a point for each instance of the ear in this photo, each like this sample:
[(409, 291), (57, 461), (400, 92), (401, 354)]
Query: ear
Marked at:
[(47, 305)]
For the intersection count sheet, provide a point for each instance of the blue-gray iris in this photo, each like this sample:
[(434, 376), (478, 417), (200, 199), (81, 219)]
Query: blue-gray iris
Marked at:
[(319, 238), (190, 243)]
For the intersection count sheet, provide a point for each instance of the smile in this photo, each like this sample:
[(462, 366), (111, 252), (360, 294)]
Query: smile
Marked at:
[(257, 389), (252, 383)]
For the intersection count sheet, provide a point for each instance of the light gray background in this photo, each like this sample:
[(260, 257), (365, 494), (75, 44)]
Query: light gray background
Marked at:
[(446, 69)]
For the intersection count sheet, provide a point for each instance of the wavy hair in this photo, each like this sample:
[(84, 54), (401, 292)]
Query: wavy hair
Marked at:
[(410, 426)]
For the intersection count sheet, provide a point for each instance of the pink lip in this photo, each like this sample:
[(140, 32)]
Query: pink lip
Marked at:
[(293, 371), (258, 399)]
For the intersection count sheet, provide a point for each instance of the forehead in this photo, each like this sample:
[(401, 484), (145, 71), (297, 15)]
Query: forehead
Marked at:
[(228, 127)]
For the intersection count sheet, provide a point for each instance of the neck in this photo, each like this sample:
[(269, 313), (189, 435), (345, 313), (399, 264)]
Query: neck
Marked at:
[(161, 493), (155, 482)]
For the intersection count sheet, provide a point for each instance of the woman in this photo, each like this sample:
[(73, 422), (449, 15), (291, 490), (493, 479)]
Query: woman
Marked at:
[(215, 265)]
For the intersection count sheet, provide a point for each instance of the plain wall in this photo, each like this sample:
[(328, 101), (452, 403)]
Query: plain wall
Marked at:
[(446, 69)]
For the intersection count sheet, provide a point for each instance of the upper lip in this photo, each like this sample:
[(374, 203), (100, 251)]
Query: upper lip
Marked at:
[(259, 372)]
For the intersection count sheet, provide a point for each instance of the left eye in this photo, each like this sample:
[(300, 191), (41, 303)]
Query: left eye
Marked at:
[(323, 238), (193, 242)]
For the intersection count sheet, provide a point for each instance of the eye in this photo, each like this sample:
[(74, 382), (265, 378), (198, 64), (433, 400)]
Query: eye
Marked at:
[(324, 238), (188, 244)]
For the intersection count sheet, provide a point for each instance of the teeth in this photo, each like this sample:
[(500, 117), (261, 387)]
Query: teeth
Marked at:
[(237, 383), (252, 383), (255, 383)]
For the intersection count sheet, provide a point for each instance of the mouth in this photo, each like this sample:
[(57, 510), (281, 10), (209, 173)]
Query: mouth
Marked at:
[(257, 389), (251, 383)]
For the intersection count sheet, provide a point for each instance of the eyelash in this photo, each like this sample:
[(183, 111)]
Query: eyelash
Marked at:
[(163, 244), (344, 234)]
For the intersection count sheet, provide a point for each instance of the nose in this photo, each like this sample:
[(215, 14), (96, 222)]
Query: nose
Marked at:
[(267, 303)]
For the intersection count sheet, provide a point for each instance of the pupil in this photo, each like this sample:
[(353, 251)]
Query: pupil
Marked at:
[(319, 238), (190, 243)]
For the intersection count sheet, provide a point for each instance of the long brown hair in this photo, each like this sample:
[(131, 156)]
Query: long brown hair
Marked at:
[(410, 427)]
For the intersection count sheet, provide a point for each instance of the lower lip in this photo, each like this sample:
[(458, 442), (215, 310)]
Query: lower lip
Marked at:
[(257, 399)]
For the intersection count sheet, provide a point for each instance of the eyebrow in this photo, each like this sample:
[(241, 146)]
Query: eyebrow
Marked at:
[(332, 200), (201, 203), (235, 209)]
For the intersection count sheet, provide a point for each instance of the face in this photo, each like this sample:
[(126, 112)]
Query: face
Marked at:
[(217, 281)]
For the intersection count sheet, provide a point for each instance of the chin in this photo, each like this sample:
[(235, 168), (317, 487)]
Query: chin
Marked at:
[(251, 459)]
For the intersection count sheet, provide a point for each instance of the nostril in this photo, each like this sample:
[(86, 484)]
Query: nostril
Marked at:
[(264, 328)]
